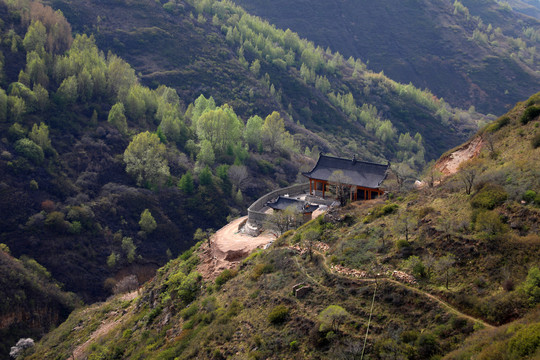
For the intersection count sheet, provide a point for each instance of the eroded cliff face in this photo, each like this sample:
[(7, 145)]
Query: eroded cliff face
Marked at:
[(35, 318), (31, 303)]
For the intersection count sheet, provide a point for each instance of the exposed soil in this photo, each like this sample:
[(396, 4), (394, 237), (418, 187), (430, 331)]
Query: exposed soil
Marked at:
[(227, 247), (113, 319), (450, 163)]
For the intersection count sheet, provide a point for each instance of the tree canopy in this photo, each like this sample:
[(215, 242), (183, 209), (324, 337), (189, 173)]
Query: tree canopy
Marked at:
[(145, 159)]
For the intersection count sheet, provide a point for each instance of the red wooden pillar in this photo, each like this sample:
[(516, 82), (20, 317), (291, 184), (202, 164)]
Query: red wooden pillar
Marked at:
[(310, 191)]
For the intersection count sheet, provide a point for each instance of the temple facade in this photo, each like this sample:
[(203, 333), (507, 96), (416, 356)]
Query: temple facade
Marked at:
[(362, 179)]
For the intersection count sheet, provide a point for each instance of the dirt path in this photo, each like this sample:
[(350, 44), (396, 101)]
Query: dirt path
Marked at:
[(432, 297), (227, 247)]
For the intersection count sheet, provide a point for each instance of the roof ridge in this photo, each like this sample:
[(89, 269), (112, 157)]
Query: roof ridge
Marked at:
[(353, 159)]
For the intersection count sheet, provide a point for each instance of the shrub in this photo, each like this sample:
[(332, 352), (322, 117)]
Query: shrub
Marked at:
[(427, 345), (16, 132), (401, 244), (260, 269), (278, 314), (490, 222), (30, 150), (489, 197), (525, 342), (127, 284), (531, 286), (5, 248), (498, 124), (75, 227), (535, 141), (189, 311), (34, 185), (529, 114), (48, 206), (225, 276), (379, 211), (529, 196), (56, 221)]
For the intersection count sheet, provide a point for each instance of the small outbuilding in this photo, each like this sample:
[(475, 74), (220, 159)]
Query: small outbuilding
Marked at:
[(300, 206), (362, 179)]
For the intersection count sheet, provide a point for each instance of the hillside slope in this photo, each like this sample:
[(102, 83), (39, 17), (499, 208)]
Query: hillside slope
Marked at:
[(476, 56), (211, 47), (418, 273)]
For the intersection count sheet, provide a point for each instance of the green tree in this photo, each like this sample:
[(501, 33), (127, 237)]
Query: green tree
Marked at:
[(386, 131), (85, 84), (111, 259), (333, 316), (40, 135), (129, 249), (186, 183), (117, 118), (145, 159), (42, 97), (200, 106), (206, 155), (121, 77), (273, 130), (147, 222), (36, 37), (30, 150), (252, 132), (255, 67), (3, 105), (36, 69), (17, 107), (68, 90), (221, 127), (171, 126), (205, 176)]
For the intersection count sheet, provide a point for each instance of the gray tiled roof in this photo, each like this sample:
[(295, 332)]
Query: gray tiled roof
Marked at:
[(283, 203), (360, 173)]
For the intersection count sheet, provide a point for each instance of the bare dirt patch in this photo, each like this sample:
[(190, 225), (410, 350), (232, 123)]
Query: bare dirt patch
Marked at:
[(450, 163), (228, 247)]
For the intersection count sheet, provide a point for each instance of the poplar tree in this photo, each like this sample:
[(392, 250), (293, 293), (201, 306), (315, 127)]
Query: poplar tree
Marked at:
[(145, 159)]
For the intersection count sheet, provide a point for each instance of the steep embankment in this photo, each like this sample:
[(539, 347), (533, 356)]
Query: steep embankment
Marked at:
[(32, 303), (418, 274), (470, 57)]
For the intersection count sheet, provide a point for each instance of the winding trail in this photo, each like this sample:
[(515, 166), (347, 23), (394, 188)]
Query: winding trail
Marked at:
[(430, 296)]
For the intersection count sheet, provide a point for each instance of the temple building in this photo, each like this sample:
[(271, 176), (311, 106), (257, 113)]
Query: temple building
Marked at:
[(362, 179)]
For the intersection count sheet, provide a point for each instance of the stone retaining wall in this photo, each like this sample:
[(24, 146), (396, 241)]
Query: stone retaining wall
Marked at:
[(257, 217)]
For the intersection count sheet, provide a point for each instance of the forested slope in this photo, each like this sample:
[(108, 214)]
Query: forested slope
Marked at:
[(70, 112), (424, 269), (217, 49), (471, 53)]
